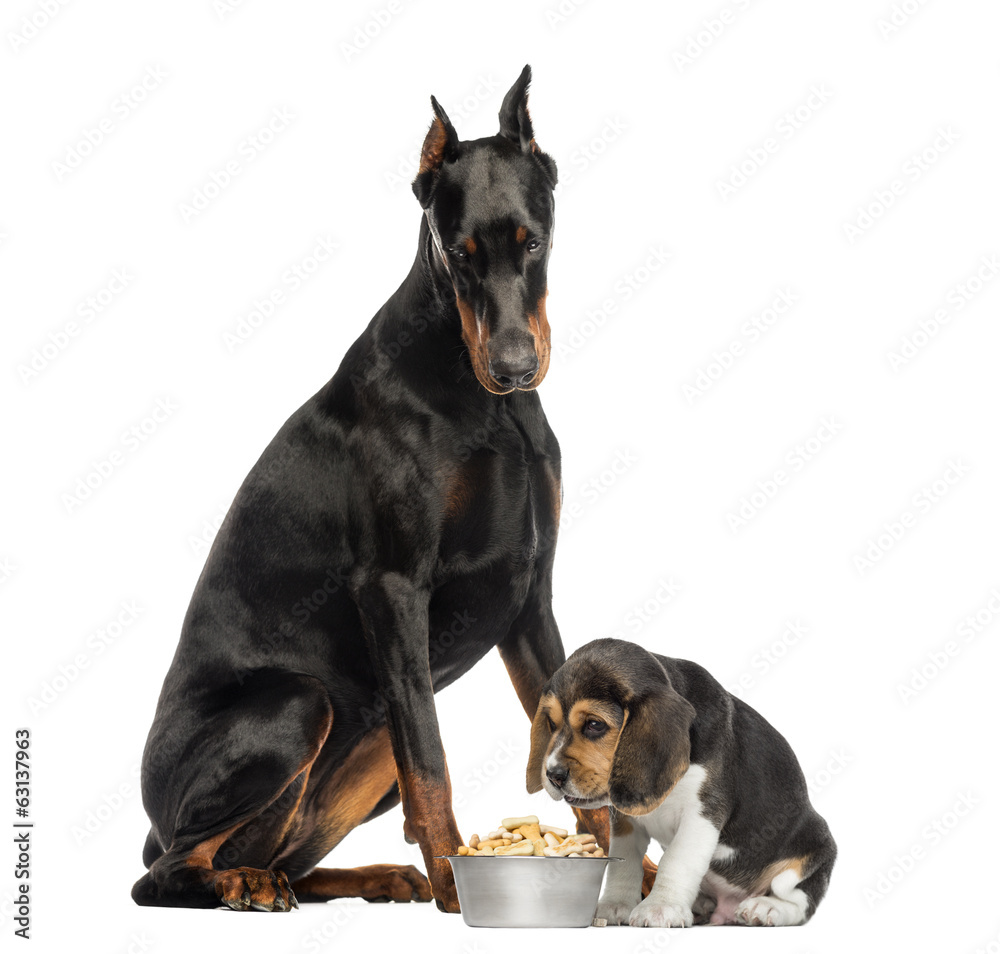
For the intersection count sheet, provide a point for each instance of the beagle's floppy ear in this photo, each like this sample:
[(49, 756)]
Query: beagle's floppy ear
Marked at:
[(440, 146), (541, 735), (654, 747)]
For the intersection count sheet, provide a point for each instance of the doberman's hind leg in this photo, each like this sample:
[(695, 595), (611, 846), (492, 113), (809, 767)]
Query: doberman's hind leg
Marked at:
[(229, 768), (363, 786)]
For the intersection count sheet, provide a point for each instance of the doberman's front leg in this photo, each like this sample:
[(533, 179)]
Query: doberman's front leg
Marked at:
[(394, 613), (532, 652)]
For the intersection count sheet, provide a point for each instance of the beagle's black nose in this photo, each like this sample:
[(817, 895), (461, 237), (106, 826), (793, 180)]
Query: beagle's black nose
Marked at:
[(557, 776)]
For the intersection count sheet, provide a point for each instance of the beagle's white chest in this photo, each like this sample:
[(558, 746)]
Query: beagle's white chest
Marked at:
[(683, 804)]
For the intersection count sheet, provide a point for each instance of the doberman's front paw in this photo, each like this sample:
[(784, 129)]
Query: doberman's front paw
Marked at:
[(443, 886), (258, 889), (396, 883)]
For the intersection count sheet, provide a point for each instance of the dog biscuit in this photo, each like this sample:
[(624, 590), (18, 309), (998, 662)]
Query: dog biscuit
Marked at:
[(524, 836)]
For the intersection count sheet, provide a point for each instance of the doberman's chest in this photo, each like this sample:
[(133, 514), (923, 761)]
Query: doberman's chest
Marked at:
[(498, 529), (497, 514)]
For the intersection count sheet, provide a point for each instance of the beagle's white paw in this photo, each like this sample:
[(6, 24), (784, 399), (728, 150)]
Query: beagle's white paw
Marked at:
[(767, 912), (614, 911), (651, 913)]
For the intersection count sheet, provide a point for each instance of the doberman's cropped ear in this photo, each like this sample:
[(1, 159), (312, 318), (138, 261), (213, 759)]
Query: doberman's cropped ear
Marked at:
[(440, 146), (515, 124), (654, 748), (541, 735)]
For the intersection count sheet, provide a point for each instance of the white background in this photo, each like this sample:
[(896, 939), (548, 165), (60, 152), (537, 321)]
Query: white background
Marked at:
[(643, 140)]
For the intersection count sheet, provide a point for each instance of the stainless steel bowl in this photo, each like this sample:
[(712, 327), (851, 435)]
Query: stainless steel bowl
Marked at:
[(528, 891)]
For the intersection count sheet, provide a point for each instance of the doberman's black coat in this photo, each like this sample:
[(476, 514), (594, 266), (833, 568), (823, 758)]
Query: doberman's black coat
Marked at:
[(399, 526)]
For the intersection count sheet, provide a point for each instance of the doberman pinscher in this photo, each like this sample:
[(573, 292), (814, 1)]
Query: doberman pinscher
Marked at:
[(400, 525)]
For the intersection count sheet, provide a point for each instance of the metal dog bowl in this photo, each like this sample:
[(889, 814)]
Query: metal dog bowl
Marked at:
[(528, 891)]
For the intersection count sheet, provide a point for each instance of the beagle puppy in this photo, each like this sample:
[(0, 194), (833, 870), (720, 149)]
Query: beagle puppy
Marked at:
[(680, 760)]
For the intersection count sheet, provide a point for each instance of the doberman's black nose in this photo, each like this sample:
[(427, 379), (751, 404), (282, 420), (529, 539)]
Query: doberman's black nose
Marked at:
[(515, 371), (557, 776)]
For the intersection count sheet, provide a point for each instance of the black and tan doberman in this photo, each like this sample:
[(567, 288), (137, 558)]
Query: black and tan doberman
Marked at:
[(400, 525)]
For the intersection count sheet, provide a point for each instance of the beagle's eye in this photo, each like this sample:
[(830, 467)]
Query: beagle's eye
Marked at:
[(594, 728), (552, 725), (534, 245)]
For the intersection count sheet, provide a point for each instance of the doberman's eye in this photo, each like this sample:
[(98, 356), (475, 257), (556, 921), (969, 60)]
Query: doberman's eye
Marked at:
[(534, 245), (594, 728), (457, 253)]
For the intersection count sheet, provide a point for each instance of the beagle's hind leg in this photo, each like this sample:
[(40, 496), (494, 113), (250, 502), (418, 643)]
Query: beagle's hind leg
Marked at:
[(793, 893), (223, 778), (785, 904)]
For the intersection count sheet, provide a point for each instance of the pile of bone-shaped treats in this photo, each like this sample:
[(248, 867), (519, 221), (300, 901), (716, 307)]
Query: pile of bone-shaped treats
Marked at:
[(527, 836)]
